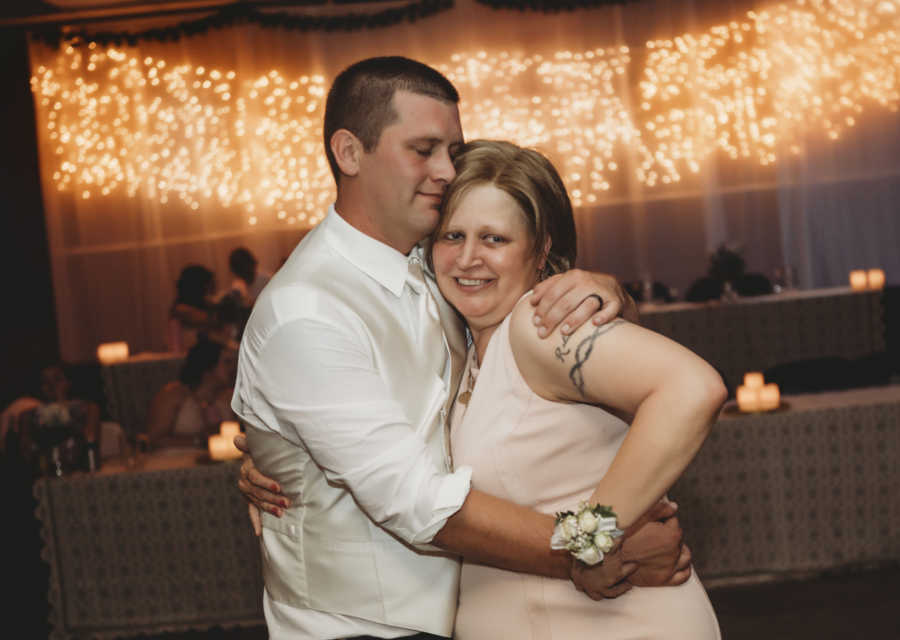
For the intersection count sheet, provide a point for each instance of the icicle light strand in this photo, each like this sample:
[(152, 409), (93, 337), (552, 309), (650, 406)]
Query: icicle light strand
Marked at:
[(120, 123)]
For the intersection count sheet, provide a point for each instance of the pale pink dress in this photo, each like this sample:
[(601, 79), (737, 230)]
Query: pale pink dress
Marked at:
[(549, 456)]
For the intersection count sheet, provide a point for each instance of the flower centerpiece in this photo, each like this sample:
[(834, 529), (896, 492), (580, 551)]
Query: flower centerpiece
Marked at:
[(53, 415), (57, 435)]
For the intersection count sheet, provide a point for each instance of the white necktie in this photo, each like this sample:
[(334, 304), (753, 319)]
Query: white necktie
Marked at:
[(429, 334)]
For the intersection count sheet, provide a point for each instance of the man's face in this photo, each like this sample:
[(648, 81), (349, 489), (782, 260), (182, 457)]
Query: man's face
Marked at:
[(405, 175)]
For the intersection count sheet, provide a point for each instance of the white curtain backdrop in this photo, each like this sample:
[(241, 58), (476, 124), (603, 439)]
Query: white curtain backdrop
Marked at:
[(676, 128)]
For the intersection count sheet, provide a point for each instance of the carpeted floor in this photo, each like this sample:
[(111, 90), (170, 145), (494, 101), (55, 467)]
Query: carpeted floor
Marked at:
[(846, 605)]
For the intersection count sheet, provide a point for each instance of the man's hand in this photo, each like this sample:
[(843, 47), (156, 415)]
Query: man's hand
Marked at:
[(262, 493), (609, 579), (656, 544), (571, 298)]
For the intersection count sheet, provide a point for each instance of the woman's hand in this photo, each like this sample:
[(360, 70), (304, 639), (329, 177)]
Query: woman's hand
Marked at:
[(571, 298), (656, 543), (262, 493), (608, 579)]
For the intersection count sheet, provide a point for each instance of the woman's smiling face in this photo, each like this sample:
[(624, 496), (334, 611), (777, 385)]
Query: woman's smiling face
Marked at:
[(484, 258)]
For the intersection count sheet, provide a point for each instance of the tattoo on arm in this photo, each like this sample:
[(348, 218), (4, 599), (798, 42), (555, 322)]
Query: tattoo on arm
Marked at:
[(583, 352), (560, 353)]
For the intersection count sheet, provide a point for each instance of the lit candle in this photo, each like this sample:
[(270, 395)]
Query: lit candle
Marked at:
[(858, 280), (876, 279), (111, 352), (218, 447), (748, 398), (769, 397), (753, 380), (229, 429)]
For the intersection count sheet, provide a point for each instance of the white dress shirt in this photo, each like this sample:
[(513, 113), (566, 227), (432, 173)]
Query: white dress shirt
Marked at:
[(308, 370)]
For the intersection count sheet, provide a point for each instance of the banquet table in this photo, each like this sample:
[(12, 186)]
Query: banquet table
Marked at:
[(131, 384), (811, 486), (753, 334), (163, 544)]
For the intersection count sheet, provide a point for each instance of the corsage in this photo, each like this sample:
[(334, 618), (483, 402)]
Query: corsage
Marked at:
[(587, 533)]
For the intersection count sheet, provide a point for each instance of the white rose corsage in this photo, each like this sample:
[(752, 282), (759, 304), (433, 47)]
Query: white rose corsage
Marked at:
[(587, 533)]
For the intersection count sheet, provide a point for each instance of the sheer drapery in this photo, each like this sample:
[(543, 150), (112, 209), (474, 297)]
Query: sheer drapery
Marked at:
[(676, 127)]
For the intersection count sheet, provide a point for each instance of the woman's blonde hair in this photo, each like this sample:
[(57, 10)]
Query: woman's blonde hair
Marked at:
[(530, 179)]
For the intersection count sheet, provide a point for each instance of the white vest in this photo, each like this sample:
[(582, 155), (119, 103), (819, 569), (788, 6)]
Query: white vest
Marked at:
[(324, 553)]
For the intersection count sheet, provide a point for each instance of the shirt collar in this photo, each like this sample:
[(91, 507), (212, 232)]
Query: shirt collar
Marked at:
[(382, 263)]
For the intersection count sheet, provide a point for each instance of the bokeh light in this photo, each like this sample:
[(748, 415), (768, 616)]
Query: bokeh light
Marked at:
[(120, 123)]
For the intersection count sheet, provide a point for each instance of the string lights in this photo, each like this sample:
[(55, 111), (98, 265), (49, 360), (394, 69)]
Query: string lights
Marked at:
[(753, 89)]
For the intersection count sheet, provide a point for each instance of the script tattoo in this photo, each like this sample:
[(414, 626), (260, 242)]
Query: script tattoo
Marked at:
[(559, 353), (583, 352)]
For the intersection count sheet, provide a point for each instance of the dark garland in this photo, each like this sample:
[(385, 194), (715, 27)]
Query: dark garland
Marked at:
[(245, 14), (550, 6)]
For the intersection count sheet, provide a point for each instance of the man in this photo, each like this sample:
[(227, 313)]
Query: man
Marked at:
[(248, 279), (345, 379)]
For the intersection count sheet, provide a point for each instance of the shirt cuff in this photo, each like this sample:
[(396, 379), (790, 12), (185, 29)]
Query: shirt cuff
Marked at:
[(450, 498)]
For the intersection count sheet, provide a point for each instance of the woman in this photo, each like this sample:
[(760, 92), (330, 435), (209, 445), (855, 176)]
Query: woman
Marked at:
[(538, 419), (186, 410), (194, 314), (541, 425)]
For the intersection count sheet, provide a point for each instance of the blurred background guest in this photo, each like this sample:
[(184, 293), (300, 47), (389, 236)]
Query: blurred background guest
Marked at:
[(248, 279), (32, 427), (186, 410), (194, 313)]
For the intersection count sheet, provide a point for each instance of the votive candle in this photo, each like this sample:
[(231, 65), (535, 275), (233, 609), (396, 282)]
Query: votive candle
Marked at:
[(769, 397), (753, 380), (858, 280), (748, 398), (875, 278), (229, 429), (111, 352)]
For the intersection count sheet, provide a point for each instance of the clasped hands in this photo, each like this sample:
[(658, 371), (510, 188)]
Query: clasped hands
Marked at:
[(651, 553)]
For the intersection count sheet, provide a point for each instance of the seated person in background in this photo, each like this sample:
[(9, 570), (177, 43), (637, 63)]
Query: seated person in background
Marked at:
[(186, 410), (753, 284), (194, 313), (704, 289), (248, 279), (28, 420)]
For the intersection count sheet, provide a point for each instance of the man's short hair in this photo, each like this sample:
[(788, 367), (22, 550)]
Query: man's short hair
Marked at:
[(361, 97)]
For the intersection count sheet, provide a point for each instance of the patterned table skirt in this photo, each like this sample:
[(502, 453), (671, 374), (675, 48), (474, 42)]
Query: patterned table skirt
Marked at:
[(812, 487), (131, 385), (146, 551), (149, 552)]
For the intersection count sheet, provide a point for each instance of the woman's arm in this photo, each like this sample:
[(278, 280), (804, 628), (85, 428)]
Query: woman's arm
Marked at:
[(194, 317), (672, 393)]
